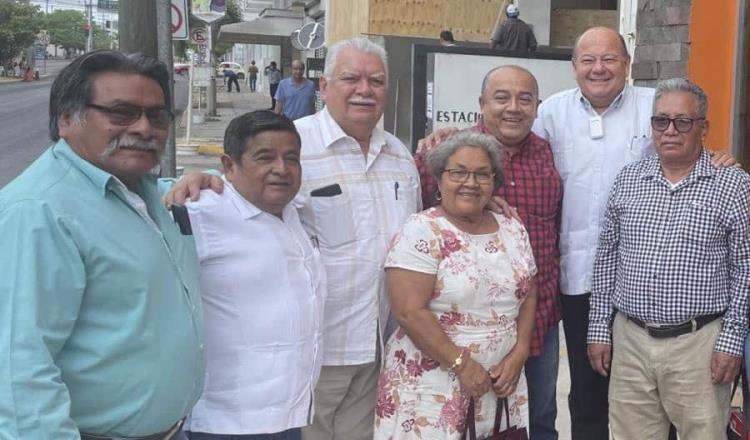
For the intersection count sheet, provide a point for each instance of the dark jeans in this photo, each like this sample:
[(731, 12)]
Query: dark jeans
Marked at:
[(235, 82), (253, 82), (587, 400), (289, 434), (541, 376), (273, 95)]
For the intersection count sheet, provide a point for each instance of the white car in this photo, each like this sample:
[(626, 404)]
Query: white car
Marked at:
[(230, 65)]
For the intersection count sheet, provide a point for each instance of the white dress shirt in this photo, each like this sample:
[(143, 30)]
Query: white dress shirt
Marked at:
[(354, 228), (263, 291), (588, 167)]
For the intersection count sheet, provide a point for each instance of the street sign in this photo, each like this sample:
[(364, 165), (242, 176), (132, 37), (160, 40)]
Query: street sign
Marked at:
[(201, 54), (202, 76), (179, 20), (199, 35), (42, 38), (208, 10), (110, 5)]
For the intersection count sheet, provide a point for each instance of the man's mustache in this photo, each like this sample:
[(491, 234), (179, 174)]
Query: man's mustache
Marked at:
[(132, 144)]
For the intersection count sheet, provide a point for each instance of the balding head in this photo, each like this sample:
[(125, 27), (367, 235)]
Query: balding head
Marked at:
[(601, 63), (508, 104)]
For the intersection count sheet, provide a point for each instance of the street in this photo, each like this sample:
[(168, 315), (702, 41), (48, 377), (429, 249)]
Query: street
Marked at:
[(23, 121)]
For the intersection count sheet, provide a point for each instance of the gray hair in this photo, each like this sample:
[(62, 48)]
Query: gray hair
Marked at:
[(71, 90), (486, 79), (438, 158), (682, 85), (360, 45)]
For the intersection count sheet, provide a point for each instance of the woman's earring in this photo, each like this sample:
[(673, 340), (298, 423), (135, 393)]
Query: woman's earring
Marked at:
[(438, 196)]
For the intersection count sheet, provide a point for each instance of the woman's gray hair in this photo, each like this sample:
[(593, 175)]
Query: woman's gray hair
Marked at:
[(438, 158), (360, 45), (682, 85)]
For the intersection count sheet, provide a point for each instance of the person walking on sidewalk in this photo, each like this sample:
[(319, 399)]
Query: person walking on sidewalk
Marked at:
[(274, 78), (295, 97), (252, 75)]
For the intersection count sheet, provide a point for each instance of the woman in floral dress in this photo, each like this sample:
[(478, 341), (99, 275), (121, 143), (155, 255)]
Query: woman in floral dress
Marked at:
[(461, 284)]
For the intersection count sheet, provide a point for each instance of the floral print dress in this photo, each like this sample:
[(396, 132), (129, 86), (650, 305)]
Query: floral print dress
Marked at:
[(481, 282)]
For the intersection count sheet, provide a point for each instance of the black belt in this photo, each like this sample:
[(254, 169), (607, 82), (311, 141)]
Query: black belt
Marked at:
[(166, 435), (671, 331)]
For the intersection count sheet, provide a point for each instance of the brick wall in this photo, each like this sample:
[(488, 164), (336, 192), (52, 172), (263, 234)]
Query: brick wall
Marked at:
[(662, 40), (567, 24)]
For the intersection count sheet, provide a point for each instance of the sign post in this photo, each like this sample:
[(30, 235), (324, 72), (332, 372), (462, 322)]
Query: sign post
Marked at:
[(179, 20), (209, 11)]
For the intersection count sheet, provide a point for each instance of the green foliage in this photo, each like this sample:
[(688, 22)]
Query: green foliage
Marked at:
[(65, 28), (19, 25), (233, 15), (102, 39)]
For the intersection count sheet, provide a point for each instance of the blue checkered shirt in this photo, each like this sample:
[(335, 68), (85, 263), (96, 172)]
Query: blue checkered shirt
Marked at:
[(669, 254)]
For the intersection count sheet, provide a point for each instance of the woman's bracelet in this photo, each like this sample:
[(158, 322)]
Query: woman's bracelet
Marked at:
[(459, 360)]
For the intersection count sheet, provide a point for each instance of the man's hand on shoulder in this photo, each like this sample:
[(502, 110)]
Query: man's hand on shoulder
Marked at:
[(724, 367), (190, 186), (722, 159)]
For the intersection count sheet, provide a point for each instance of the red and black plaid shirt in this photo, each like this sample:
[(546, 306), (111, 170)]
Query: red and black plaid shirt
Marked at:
[(533, 186)]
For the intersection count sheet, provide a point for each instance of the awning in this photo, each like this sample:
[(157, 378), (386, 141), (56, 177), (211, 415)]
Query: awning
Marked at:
[(271, 27)]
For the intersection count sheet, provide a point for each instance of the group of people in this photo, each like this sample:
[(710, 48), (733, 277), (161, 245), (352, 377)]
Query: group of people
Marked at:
[(305, 293)]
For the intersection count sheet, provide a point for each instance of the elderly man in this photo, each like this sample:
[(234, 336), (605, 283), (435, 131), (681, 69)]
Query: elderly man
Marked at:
[(263, 289), (359, 184), (508, 104), (102, 326), (674, 265), (295, 97)]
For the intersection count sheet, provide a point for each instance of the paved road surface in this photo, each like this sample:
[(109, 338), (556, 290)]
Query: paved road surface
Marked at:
[(23, 122)]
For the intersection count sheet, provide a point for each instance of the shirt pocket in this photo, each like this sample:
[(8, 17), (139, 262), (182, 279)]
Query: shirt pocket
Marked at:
[(403, 193), (334, 219), (701, 224)]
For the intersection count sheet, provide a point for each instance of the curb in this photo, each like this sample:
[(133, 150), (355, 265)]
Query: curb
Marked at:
[(211, 149)]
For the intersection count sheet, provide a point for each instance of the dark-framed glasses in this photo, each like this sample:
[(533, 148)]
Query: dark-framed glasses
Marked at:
[(682, 125), (460, 175), (126, 114)]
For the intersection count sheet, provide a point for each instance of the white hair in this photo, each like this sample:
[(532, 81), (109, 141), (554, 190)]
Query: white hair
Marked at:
[(360, 45)]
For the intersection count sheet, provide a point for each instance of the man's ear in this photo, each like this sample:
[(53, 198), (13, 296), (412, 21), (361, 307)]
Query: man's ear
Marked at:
[(228, 164), (323, 87), (64, 121)]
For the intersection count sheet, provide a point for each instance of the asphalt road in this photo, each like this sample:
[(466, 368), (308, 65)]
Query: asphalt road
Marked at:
[(23, 122)]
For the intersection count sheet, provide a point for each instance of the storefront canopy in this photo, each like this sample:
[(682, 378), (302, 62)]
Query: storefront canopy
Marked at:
[(271, 27)]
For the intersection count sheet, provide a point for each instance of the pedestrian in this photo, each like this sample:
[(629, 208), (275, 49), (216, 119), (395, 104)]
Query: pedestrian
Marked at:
[(614, 116), (295, 97), (274, 78), (230, 77), (462, 286), (446, 39), (101, 307), (673, 267), (267, 316), (252, 75), (508, 104), (513, 33), (336, 206)]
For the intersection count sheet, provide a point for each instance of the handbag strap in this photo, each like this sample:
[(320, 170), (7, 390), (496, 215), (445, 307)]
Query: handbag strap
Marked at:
[(502, 405), (470, 423)]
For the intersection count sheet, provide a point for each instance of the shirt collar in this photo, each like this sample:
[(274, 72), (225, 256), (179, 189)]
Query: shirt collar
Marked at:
[(96, 175), (245, 208), (702, 168), (617, 103), (332, 132)]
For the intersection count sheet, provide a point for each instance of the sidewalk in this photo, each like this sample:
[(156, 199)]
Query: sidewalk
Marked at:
[(206, 139)]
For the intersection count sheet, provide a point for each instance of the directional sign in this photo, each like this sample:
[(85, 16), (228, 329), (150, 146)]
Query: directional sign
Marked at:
[(179, 20)]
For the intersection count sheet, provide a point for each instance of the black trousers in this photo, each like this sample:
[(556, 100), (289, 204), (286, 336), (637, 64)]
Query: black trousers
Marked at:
[(233, 80), (587, 400), (273, 95)]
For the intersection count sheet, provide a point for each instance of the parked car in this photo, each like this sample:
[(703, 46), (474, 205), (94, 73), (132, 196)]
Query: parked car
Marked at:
[(230, 65), (181, 68)]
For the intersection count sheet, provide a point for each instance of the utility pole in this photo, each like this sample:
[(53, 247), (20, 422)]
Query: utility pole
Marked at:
[(145, 27), (90, 36)]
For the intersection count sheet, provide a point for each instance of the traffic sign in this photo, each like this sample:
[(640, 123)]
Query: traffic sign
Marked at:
[(208, 10), (199, 35), (179, 24)]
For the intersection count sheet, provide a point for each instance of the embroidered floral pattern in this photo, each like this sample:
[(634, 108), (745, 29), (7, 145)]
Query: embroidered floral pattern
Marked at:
[(480, 283)]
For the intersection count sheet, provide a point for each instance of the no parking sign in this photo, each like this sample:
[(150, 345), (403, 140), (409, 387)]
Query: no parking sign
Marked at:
[(179, 20)]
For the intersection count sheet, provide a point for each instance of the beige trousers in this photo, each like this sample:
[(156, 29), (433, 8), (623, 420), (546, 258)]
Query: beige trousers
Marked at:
[(655, 381), (344, 403)]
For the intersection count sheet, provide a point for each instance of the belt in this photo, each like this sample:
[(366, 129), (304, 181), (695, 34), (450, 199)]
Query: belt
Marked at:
[(671, 331), (169, 434)]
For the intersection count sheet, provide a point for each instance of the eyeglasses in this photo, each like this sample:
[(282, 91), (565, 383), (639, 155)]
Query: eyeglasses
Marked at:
[(126, 114), (459, 175), (682, 125)]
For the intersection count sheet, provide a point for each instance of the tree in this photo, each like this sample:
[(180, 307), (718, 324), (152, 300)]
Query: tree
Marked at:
[(103, 39), (66, 28), (233, 15), (19, 25)]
